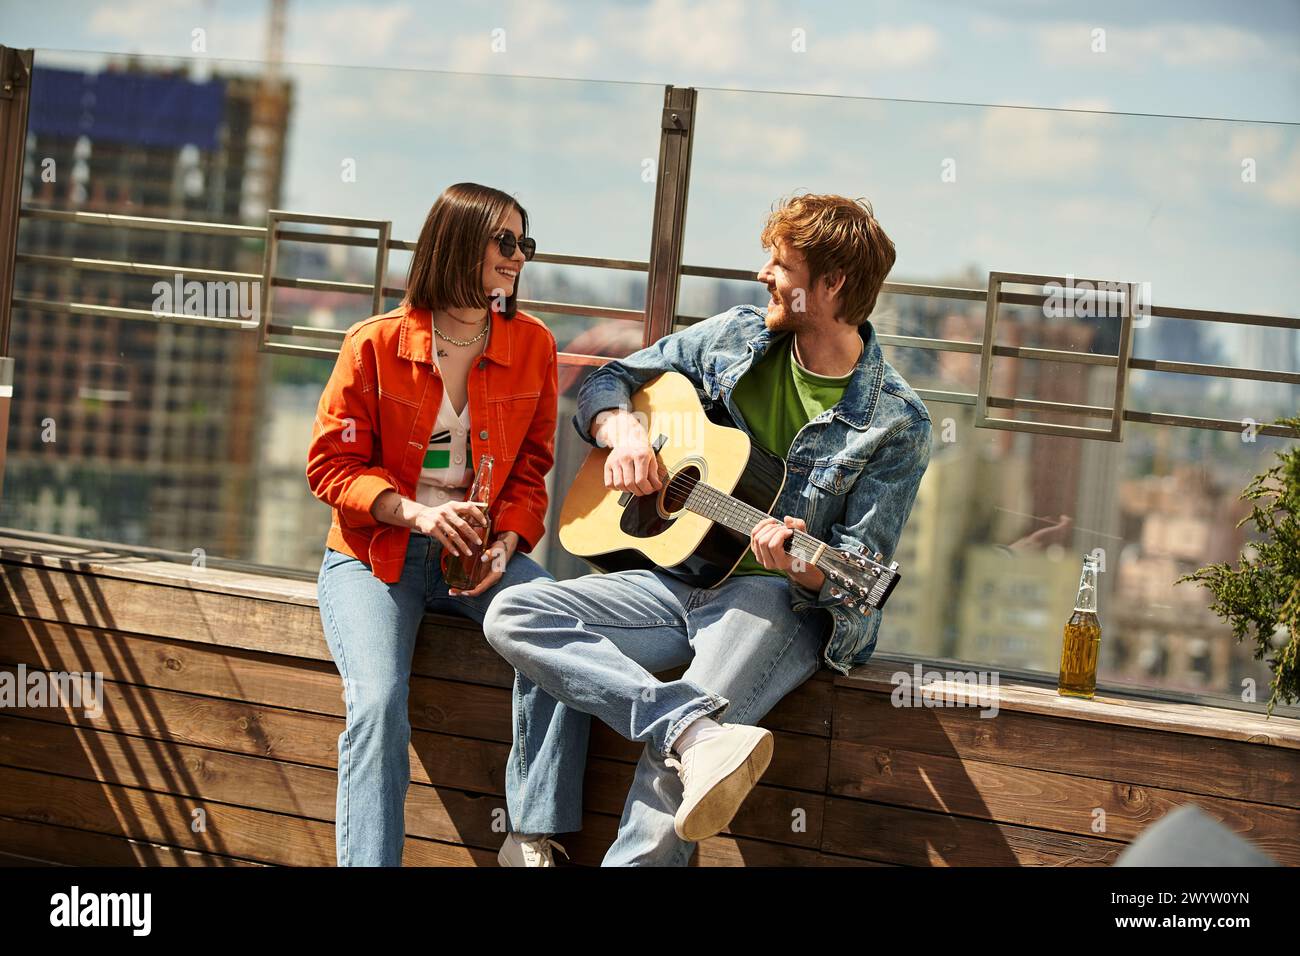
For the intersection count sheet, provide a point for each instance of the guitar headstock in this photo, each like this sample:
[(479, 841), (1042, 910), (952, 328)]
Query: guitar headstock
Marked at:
[(867, 581)]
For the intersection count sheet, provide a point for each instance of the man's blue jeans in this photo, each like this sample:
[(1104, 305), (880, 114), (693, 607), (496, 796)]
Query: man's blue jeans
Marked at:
[(593, 644), (370, 627)]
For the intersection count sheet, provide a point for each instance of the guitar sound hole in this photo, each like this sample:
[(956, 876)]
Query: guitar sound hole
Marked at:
[(642, 517), (678, 487)]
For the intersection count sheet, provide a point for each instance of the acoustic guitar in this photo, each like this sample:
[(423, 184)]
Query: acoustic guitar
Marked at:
[(717, 486)]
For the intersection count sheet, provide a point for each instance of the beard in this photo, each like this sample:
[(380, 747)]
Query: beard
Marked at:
[(781, 318)]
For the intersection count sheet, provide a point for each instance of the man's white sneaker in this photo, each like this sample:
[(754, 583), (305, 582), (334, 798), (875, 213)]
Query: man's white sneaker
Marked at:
[(517, 852), (717, 774)]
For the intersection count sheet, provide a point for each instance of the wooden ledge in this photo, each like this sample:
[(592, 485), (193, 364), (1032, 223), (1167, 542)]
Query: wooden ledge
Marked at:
[(1026, 696), (93, 559), (1016, 694)]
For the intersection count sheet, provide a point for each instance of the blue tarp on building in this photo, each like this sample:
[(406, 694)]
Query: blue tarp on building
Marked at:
[(127, 108)]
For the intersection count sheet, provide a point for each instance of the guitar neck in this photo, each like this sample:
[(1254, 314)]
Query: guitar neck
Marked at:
[(722, 508)]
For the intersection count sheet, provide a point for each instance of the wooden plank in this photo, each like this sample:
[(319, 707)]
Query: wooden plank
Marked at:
[(437, 806), (107, 562), (294, 683), (1039, 698), (770, 813), (302, 737), (455, 653), (833, 859), (799, 761), (173, 665), (211, 778), (178, 769), (239, 832), (143, 815), (228, 620), (1043, 799), (234, 619), (417, 852), (62, 846), (217, 781), (917, 838), (154, 817), (588, 846), (808, 709), (1149, 758)]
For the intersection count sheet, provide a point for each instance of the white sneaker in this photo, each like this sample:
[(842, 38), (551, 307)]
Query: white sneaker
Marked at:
[(517, 852), (717, 774)]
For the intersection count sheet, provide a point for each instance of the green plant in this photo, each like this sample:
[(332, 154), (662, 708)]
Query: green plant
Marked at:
[(1264, 592)]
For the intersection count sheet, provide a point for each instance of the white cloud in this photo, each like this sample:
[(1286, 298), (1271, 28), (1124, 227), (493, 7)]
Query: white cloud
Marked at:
[(1167, 44), (1036, 144), (371, 32), (155, 28), (1091, 104), (1281, 182), (886, 48), (687, 36)]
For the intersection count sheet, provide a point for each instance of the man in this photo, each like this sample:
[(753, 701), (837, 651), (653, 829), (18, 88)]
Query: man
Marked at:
[(806, 379)]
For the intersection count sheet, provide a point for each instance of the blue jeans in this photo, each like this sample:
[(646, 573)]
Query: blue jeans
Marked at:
[(593, 644), (370, 627)]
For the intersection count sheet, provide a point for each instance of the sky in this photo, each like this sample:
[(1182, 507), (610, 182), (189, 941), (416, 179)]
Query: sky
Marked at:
[(1097, 139), (1235, 60)]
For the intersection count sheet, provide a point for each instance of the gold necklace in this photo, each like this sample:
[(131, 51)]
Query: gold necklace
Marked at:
[(444, 336)]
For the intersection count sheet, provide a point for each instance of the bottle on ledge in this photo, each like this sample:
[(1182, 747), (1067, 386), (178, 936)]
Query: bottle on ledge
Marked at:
[(1082, 638), (464, 572)]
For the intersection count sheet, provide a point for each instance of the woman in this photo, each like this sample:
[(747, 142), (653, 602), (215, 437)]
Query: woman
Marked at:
[(416, 397)]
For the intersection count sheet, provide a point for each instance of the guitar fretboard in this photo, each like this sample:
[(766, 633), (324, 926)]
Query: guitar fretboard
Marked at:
[(717, 505)]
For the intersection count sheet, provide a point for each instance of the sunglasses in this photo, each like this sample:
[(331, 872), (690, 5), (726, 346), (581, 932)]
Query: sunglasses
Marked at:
[(506, 243)]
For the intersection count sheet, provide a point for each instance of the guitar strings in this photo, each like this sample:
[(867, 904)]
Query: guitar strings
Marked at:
[(682, 485)]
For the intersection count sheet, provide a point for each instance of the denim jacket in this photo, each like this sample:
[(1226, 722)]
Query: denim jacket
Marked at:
[(852, 472)]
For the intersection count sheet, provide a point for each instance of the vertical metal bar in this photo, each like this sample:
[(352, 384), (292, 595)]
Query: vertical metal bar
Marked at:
[(381, 266), (1131, 292), (15, 90), (268, 274), (15, 98), (986, 350), (668, 230)]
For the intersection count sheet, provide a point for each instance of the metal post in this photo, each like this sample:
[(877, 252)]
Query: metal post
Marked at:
[(15, 89), (668, 231)]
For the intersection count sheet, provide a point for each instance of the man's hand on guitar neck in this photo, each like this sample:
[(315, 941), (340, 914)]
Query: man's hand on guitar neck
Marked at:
[(768, 544), (631, 464)]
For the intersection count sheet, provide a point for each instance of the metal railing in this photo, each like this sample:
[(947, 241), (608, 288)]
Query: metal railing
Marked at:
[(986, 348)]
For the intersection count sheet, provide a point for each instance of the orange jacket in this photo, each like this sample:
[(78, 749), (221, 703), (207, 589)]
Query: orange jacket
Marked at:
[(377, 413)]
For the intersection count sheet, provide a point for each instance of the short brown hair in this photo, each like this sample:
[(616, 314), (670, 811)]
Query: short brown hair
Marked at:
[(447, 265), (836, 234)]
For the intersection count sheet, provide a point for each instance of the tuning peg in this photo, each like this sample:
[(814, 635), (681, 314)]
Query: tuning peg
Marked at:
[(879, 556)]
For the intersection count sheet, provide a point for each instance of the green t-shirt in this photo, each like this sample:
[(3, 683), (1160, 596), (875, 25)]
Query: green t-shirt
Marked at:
[(777, 397)]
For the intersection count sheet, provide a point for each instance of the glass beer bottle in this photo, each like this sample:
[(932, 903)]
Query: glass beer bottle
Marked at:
[(1082, 638), (464, 572)]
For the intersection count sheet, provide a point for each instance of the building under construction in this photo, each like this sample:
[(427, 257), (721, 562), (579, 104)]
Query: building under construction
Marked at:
[(139, 431)]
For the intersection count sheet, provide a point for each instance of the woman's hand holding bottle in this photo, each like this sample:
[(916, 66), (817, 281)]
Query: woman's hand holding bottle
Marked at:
[(499, 554), (454, 523)]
